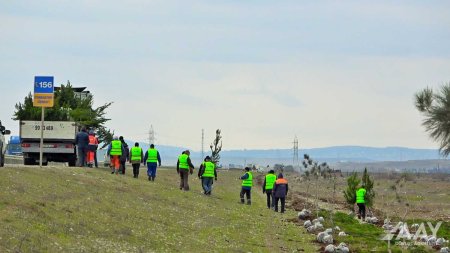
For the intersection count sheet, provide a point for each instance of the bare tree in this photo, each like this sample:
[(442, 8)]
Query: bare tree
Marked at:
[(216, 147)]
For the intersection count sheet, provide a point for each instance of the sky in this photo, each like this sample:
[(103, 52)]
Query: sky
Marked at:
[(329, 72)]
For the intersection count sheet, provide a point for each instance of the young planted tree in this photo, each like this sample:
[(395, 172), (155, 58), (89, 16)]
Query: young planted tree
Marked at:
[(216, 147), (67, 107), (368, 185), (350, 192)]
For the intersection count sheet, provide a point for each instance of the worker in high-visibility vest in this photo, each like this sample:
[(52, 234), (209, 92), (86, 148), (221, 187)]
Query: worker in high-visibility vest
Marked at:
[(152, 159), (361, 202), (247, 183), (184, 168), (115, 151), (92, 149), (269, 181), (136, 158), (207, 173)]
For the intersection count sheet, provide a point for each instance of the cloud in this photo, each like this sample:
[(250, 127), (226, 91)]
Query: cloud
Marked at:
[(333, 73)]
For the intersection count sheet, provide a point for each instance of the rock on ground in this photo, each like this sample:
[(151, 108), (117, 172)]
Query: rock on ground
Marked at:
[(328, 239), (330, 248)]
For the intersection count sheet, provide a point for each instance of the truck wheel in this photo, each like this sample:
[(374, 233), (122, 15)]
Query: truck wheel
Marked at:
[(28, 161), (72, 163), (44, 163)]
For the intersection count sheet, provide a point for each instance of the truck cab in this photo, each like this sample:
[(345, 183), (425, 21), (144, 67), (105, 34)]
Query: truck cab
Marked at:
[(3, 132)]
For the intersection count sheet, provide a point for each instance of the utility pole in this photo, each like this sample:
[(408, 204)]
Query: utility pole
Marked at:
[(151, 136), (295, 162), (203, 144)]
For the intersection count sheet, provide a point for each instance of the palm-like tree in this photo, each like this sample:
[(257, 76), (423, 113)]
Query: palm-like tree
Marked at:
[(435, 106)]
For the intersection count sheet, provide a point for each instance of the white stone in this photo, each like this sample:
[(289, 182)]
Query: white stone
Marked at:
[(329, 248), (328, 239), (320, 236), (440, 241), (337, 228), (342, 234), (444, 250), (415, 226), (307, 224), (329, 231), (311, 229), (342, 248), (318, 226), (321, 219), (431, 241), (387, 221), (315, 221)]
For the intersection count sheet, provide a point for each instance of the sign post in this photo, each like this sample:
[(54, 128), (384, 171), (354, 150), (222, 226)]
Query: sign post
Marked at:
[(43, 97)]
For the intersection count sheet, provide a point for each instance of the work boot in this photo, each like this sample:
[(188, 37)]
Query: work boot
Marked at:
[(153, 178), (149, 178), (242, 201), (249, 202)]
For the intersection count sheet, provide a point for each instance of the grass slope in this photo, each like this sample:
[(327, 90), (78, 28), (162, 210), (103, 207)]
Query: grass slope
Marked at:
[(60, 209)]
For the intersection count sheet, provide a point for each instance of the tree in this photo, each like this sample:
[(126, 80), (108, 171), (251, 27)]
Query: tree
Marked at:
[(350, 192), (368, 184), (216, 147), (435, 107), (69, 107)]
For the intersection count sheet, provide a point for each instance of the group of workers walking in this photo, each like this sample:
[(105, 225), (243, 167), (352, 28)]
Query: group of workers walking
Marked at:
[(275, 187)]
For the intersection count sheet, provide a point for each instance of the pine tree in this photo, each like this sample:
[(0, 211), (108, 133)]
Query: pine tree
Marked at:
[(368, 185), (350, 193)]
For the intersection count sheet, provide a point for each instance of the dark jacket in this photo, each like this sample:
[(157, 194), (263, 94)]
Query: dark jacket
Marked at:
[(82, 139), (125, 152), (281, 187)]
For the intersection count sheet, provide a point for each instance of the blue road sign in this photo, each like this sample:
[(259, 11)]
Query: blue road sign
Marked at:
[(43, 84)]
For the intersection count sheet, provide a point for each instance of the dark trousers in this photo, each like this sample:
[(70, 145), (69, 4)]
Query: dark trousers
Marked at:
[(82, 151), (248, 193), (207, 185), (283, 201), (270, 200), (362, 210), (151, 170), (184, 176), (122, 166), (95, 159), (136, 169)]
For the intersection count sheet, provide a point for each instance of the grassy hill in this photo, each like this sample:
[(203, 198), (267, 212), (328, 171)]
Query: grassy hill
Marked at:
[(60, 209)]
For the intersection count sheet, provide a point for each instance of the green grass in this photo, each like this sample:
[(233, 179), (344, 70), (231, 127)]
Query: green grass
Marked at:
[(60, 209), (367, 237)]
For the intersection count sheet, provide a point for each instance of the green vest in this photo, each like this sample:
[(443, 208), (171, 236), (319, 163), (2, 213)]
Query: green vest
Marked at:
[(209, 169), (136, 153), (270, 180), (183, 162), (152, 155), (249, 180), (116, 148), (360, 193)]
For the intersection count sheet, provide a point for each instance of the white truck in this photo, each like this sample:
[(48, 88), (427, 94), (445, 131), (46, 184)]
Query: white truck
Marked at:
[(3, 132), (59, 142)]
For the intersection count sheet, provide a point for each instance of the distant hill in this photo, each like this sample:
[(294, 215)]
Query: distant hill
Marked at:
[(335, 154)]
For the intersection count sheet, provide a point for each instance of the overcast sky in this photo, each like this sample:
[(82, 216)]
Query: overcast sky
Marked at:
[(330, 72)]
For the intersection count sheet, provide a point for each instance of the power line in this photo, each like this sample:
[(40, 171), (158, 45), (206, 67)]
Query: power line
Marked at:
[(151, 136), (203, 143), (295, 161)]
